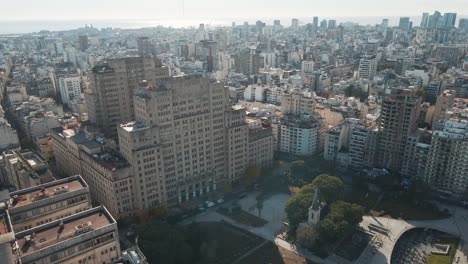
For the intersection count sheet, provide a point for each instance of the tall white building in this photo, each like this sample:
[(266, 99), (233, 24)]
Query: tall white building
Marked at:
[(70, 88), (299, 135), (308, 66), (367, 67)]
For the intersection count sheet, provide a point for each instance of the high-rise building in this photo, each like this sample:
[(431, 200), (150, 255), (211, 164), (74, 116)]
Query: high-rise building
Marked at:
[(449, 20), (331, 24), (70, 88), (145, 48), (444, 102), (298, 103), (385, 23), (315, 23), (207, 51), (447, 162), (110, 97), (404, 23), (295, 23), (367, 67), (299, 135), (83, 42), (323, 25), (424, 20), (399, 113), (249, 61), (186, 141), (189, 114)]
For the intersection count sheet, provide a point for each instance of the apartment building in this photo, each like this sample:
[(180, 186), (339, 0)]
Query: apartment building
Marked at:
[(398, 118), (237, 136), (85, 152), (47, 202), (260, 143), (89, 236), (447, 162), (299, 135), (298, 103), (362, 146), (25, 168), (444, 102), (110, 97)]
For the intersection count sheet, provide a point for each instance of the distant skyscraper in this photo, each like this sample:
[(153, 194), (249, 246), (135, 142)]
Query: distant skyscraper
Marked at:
[(323, 24), (277, 23), (145, 48), (83, 42), (433, 20), (316, 23), (385, 22), (424, 20), (449, 20), (331, 24), (295, 23), (404, 23)]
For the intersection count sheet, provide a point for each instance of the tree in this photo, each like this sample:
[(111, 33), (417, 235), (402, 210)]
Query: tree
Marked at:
[(341, 219), (297, 207), (306, 236), (331, 187), (252, 173)]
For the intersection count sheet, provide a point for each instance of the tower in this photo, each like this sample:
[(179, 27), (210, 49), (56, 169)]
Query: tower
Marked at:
[(314, 210)]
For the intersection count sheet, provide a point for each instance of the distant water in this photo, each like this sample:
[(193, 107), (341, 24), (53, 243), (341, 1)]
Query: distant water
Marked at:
[(30, 26)]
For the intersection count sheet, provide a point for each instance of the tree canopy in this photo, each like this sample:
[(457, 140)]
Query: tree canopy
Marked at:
[(330, 188)]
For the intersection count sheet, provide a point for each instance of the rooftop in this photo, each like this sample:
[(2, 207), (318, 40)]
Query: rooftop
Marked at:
[(134, 126), (109, 160), (56, 232), (52, 189)]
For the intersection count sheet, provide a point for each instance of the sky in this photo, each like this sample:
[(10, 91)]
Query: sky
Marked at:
[(216, 9)]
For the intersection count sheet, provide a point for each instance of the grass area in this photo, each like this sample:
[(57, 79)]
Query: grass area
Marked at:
[(243, 217), (353, 245), (445, 259), (272, 254)]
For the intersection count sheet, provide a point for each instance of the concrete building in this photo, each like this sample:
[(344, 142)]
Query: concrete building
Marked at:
[(145, 48), (444, 102), (110, 97), (9, 138), (299, 135), (298, 103), (90, 236), (47, 202), (399, 113), (367, 68), (362, 147), (108, 174), (25, 169), (237, 147), (189, 112), (447, 162), (260, 144), (70, 88), (308, 66)]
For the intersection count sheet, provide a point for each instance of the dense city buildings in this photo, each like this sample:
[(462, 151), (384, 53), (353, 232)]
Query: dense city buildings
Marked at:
[(154, 122)]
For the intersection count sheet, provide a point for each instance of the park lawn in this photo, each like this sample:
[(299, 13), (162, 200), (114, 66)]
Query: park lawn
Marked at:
[(445, 259)]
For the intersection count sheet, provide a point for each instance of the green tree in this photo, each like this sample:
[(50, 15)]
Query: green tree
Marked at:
[(331, 187), (341, 219)]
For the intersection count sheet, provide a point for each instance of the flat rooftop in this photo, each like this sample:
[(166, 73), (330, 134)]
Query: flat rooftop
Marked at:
[(54, 233), (109, 160), (52, 189)]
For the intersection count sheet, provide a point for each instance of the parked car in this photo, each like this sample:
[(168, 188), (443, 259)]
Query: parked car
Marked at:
[(209, 204), (220, 201)]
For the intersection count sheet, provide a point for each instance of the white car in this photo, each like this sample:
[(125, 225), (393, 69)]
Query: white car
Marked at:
[(220, 201)]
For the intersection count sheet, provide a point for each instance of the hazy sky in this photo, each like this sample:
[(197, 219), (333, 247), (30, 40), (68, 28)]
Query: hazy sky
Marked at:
[(212, 9)]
